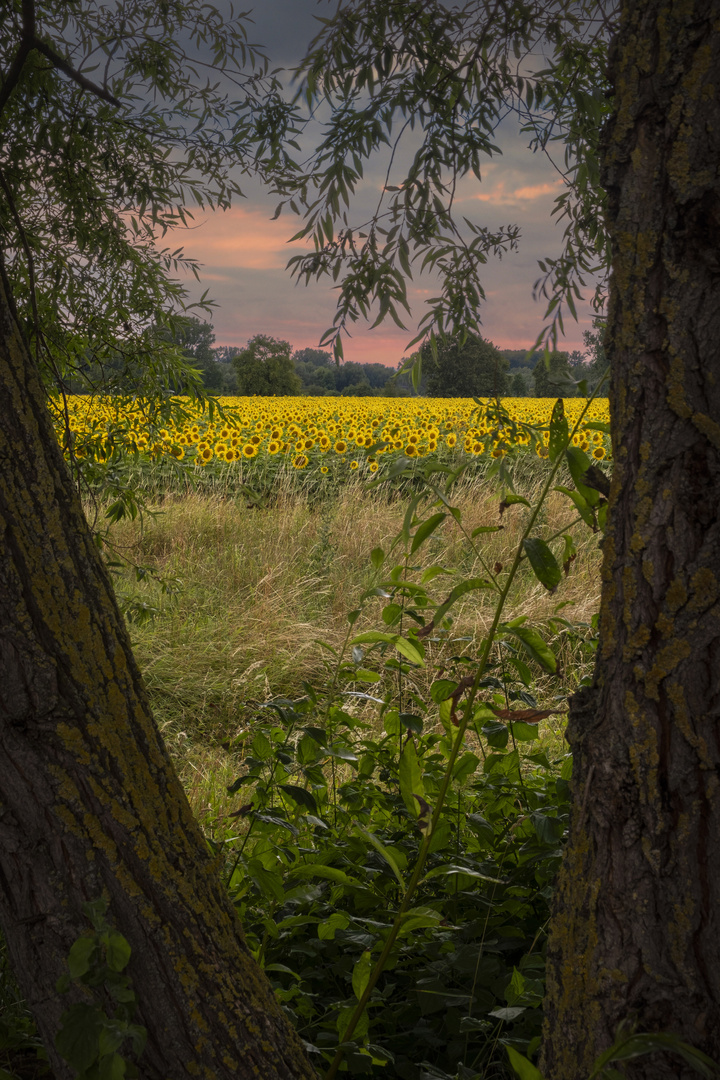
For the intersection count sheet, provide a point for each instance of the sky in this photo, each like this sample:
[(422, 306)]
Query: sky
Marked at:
[(243, 253)]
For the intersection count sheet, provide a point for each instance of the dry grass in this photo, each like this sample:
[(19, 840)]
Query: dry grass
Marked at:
[(259, 588)]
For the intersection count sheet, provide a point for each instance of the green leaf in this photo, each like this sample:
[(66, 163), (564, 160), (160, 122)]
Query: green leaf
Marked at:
[(543, 562), (327, 929), (383, 851), (524, 732), (581, 505), (511, 499), (268, 882), (112, 1068), (301, 796), (319, 870), (117, 951), (507, 1014), (377, 557), (426, 529), (361, 974), (411, 781), (579, 463), (465, 766), (460, 590), (365, 675), (77, 1039), (534, 646), (80, 956), (343, 1020), (451, 870), (549, 829), (410, 650), (486, 529), (559, 431), (522, 1067), (442, 689), (640, 1045)]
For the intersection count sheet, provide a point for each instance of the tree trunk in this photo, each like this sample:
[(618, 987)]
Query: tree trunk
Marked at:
[(89, 802), (636, 928)]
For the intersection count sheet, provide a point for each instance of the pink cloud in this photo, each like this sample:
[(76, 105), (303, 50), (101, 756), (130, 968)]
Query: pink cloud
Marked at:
[(500, 197), (240, 236)]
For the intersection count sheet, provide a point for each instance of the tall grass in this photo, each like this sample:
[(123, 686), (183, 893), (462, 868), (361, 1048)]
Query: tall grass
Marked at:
[(257, 589)]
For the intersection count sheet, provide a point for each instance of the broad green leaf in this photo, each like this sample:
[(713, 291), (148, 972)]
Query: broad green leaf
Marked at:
[(507, 1014), (432, 572), (524, 732), (441, 689), (77, 1039), (426, 529), (549, 829), (337, 921), (460, 590), (558, 430), (411, 781), (377, 557), (268, 882), (522, 1067), (579, 463), (300, 796), (511, 499), (465, 766), (410, 650), (497, 734), (581, 504), (111, 1038), (639, 1045), (80, 956), (112, 1068), (534, 646), (117, 951), (343, 1020), (451, 870), (262, 748), (543, 562), (383, 851), (365, 675), (319, 870), (486, 529), (361, 974)]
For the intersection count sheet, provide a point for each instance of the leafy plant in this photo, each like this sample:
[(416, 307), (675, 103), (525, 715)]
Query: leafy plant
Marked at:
[(91, 1037), (393, 871)]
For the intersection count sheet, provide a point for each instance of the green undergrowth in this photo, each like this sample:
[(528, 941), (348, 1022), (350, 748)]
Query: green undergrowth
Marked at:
[(365, 699), (332, 811)]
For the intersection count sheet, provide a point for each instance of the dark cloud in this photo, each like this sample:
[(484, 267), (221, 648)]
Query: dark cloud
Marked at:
[(285, 27)]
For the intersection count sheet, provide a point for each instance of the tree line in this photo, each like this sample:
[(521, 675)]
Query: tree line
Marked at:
[(268, 366)]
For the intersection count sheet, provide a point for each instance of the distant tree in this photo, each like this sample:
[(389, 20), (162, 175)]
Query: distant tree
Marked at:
[(314, 357), (520, 359), (595, 355), (196, 337), (474, 369), (224, 354), (520, 381), (265, 368), (554, 378), (362, 388), (316, 379)]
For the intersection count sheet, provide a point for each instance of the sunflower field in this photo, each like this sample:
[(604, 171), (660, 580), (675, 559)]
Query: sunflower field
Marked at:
[(321, 437)]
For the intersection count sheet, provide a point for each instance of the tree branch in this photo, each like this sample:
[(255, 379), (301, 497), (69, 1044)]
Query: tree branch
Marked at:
[(62, 65), (29, 41)]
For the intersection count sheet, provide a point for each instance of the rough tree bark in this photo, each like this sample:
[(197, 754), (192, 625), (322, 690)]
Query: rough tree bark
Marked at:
[(636, 929), (89, 801)]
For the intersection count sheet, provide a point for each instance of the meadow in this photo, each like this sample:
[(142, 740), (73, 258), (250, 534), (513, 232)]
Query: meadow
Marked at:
[(359, 628)]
